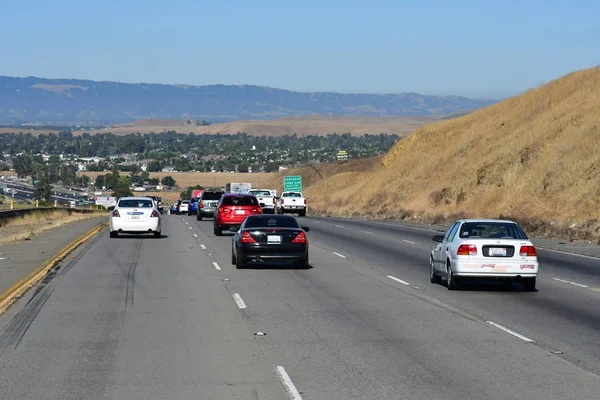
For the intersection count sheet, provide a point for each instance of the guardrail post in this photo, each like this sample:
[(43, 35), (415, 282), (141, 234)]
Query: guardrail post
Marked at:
[(55, 203), (37, 203), (12, 206)]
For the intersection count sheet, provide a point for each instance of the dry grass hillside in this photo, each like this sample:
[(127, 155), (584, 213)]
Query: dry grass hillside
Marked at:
[(534, 158), (303, 126)]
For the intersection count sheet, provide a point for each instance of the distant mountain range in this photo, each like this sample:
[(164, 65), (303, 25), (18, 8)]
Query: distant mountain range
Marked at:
[(30, 100)]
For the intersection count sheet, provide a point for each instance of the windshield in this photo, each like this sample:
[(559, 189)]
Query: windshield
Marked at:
[(186, 202), (135, 203), (278, 221), (492, 230), (260, 192), (240, 201), (292, 194)]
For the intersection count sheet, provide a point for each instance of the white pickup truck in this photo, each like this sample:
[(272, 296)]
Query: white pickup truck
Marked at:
[(265, 199), (292, 203)]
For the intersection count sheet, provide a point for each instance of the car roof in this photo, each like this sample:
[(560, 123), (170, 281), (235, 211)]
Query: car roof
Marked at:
[(269, 216), (238, 195), (488, 220), (135, 198)]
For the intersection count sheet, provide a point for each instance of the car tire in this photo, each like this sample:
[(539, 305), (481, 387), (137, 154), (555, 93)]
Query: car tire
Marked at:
[(303, 263), (218, 231), (157, 235), (114, 235), (199, 217), (302, 213), (529, 284), (433, 276), (189, 214), (451, 281), (239, 264), (233, 259)]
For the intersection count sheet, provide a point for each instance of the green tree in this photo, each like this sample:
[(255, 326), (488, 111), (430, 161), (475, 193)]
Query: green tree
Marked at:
[(154, 181), (122, 188), (43, 189), (23, 165), (111, 179), (168, 181), (154, 166), (99, 182), (68, 174)]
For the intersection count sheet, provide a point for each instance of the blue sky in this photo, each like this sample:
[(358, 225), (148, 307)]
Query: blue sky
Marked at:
[(484, 48)]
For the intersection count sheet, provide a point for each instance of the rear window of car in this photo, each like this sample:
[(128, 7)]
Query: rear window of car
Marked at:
[(240, 201), (278, 222), (135, 203), (212, 195), (291, 195), (186, 201), (491, 230), (261, 193)]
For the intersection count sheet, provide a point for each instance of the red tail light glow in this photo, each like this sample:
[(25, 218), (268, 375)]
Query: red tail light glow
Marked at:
[(282, 200), (224, 210), (467, 250), (200, 205), (116, 213), (528, 251), (301, 238), (154, 214), (247, 238), (304, 201)]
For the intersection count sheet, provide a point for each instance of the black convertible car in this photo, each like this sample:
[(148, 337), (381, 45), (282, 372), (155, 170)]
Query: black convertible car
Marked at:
[(273, 238)]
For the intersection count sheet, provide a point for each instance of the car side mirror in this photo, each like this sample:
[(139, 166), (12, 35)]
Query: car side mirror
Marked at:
[(438, 238), (306, 229)]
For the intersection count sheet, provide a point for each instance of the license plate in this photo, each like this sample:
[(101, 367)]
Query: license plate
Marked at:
[(497, 252), (213, 204), (274, 239), (135, 217), (240, 212)]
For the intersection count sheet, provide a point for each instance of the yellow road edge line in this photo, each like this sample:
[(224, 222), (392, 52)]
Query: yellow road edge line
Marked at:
[(34, 276)]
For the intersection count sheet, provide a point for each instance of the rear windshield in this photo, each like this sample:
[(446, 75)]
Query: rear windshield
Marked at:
[(291, 195), (212, 195), (135, 203), (260, 192), (240, 201), (492, 230), (185, 201), (274, 221)]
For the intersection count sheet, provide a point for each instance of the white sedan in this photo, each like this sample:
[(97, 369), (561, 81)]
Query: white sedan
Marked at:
[(135, 215), (495, 249)]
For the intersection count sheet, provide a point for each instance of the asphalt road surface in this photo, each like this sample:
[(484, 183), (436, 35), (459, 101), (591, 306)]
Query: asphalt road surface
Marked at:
[(171, 318)]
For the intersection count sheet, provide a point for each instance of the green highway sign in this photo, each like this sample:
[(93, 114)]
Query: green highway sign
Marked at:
[(292, 183)]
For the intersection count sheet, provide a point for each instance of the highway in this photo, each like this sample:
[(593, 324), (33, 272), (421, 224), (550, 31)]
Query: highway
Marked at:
[(171, 318)]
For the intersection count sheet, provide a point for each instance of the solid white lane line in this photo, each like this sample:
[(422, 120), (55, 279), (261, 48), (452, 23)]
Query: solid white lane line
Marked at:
[(368, 233), (398, 280), (195, 235), (216, 266), (408, 241), (568, 253), (287, 383), (203, 247), (339, 255), (570, 282), (238, 300), (510, 331)]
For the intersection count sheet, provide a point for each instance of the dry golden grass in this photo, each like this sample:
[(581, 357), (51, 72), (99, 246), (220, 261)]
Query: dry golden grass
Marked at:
[(534, 158), (34, 223), (206, 179), (302, 126)]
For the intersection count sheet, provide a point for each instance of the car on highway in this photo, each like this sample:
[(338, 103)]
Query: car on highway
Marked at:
[(232, 210), (486, 248), (292, 202), (174, 208), (267, 201), (193, 206), (135, 215), (207, 204), (270, 238), (158, 202), (184, 207)]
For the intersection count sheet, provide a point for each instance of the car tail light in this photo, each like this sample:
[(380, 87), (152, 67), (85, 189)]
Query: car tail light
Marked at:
[(282, 200), (467, 250), (224, 210), (528, 251), (201, 205), (116, 213), (304, 201), (247, 238), (154, 214), (301, 238)]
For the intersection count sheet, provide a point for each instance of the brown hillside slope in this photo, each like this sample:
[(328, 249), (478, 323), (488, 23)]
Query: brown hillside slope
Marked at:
[(534, 158)]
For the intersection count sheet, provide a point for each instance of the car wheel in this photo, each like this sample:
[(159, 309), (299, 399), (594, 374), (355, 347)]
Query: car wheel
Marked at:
[(302, 214), (218, 231), (199, 217), (433, 276), (233, 259), (239, 264), (451, 280), (157, 235), (114, 234), (529, 284), (303, 263)]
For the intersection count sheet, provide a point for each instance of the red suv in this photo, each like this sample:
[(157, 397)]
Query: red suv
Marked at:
[(233, 210)]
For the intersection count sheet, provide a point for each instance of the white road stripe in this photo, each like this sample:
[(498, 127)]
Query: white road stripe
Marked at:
[(571, 282), (408, 241), (238, 300), (510, 331), (398, 280), (195, 235), (203, 247), (368, 233), (568, 253), (190, 228), (216, 266), (287, 383), (339, 255), (339, 226)]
